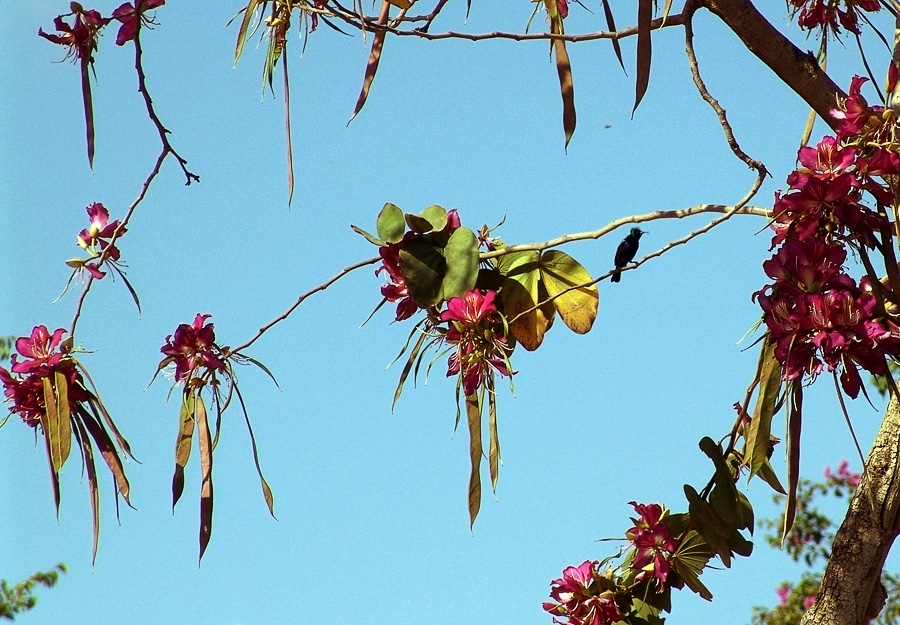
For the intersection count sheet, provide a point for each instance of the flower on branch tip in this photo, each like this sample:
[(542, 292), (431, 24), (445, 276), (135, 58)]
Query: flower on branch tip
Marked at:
[(843, 477), (478, 331), (582, 596), (192, 347), (129, 15), (93, 239), (653, 543), (81, 35), (41, 350)]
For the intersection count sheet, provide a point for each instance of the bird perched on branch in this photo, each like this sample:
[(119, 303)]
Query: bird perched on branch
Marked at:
[(626, 251)]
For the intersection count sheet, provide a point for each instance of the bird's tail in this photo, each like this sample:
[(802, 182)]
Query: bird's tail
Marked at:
[(617, 275)]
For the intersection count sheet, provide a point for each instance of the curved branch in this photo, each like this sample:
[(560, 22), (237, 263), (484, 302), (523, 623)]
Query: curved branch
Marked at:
[(797, 69), (738, 209)]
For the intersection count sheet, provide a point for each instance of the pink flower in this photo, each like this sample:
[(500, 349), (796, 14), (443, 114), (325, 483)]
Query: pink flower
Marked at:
[(129, 15), (783, 592), (39, 349), (397, 290), (81, 36), (478, 331), (809, 601), (582, 598), (94, 240), (192, 347), (653, 543)]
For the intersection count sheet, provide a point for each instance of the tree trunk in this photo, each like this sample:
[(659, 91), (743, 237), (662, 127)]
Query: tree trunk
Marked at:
[(851, 591)]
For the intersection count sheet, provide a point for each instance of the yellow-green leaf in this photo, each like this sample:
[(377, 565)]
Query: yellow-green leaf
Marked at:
[(759, 432), (206, 466), (577, 307), (183, 445), (522, 291)]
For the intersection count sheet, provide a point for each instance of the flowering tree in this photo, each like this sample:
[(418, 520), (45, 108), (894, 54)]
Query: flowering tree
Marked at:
[(478, 301)]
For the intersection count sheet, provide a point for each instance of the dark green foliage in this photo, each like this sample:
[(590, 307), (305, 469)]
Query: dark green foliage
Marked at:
[(20, 598)]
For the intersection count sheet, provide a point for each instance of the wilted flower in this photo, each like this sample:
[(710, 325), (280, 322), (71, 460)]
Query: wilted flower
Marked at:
[(193, 346), (583, 597), (653, 543), (478, 331)]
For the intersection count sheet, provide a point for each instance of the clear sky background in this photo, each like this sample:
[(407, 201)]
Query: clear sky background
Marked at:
[(371, 504)]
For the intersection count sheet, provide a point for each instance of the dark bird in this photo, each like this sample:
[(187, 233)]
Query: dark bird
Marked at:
[(626, 251)]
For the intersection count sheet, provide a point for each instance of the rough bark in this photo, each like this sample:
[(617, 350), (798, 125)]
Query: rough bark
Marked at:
[(798, 69), (851, 591)]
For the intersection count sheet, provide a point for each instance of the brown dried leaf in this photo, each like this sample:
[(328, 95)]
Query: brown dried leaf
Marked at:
[(611, 25), (795, 413), (206, 465), (108, 452), (473, 412), (374, 58), (645, 16), (94, 489), (494, 448)]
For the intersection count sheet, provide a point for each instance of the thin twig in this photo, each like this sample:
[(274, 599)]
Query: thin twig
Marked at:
[(343, 272), (634, 219)]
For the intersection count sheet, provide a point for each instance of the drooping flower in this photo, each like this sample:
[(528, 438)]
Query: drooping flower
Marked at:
[(583, 597), (653, 543), (129, 15), (478, 331), (193, 346), (827, 14)]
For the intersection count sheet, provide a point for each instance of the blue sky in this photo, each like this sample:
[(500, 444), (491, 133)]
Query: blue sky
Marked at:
[(372, 521)]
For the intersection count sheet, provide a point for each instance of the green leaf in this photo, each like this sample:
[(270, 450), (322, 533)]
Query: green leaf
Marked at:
[(108, 453), (461, 258), (577, 307), (473, 413), (494, 447), (521, 291), (436, 216), (390, 225), (368, 237), (93, 488), (266, 490), (408, 366), (689, 561), (710, 526), (767, 474), (423, 266), (243, 30), (759, 432), (183, 445)]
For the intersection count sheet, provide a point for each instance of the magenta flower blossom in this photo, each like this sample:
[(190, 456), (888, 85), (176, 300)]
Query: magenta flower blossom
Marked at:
[(843, 477), (827, 14), (129, 15), (580, 598), (93, 239), (40, 350), (45, 354), (653, 543), (783, 592), (81, 36), (397, 290), (192, 347), (478, 331)]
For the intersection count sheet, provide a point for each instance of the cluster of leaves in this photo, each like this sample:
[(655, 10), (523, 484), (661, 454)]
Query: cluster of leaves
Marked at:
[(477, 311), (20, 598), (664, 551), (809, 541)]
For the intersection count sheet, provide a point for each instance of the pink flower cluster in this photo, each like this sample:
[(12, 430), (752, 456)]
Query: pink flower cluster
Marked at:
[(478, 333), (44, 356), (826, 14), (817, 314), (653, 543), (581, 598), (843, 477), (193, 346)]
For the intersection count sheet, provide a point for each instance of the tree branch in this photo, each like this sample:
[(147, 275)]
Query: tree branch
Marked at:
[(851, 592), (797, 69)]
